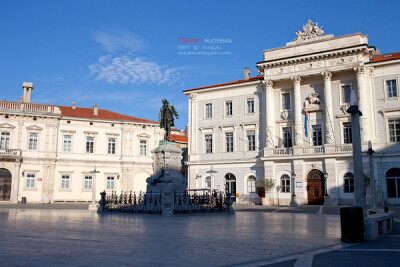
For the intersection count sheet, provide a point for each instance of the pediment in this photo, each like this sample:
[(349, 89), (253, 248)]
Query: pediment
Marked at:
[(6, 126), (143, 135), (34, 128)]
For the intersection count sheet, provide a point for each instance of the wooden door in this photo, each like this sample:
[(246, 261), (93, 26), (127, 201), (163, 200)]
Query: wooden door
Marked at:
[(315, 189), (5, 189)]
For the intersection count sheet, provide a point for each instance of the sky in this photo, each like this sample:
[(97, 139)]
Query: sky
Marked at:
[(127, 56)]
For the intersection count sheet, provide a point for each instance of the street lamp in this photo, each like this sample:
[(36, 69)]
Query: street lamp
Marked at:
[(325, 183), (293, 202), (93, 205), (359, 198), (211, 172)]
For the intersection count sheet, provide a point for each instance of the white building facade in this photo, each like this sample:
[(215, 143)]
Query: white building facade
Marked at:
[(49, 153), (290, 124)]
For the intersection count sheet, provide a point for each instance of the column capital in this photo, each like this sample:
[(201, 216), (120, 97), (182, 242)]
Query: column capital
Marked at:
[(268, 83), (296, 79), (193, 96), (359, 70), (327, 75)]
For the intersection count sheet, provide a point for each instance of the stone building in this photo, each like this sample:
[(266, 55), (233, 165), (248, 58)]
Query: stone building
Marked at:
[(290, 124), (49, 153)]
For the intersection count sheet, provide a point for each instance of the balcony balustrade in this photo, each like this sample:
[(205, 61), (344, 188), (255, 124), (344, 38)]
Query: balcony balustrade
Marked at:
[(28, 107), (10, 152)]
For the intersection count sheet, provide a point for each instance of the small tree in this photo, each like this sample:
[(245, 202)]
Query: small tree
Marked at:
[(268, 184)]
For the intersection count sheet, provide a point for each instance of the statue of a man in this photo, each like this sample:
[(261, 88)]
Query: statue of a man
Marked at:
[(166, 117)]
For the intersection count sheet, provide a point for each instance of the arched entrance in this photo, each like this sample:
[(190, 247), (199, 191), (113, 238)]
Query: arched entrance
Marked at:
[(315, 187), (230, 185), (5, 184)]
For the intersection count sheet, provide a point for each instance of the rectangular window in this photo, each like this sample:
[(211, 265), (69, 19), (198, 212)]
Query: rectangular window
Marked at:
[(317, 135), (287, 136), (88, 182), (394, 130), (30, 180), (228, 108), (89, 144), (208, 138), (349, 183), (229, 142), (346, 89), (285, 183), (111, 145), (5, 140), (143, 147), (250, 105), (251, 140), (347, 133), (209, 110), (251, 184), (391, 88), (110, 183), (67, 143), (65, 181), (33, 141), (286, 101)]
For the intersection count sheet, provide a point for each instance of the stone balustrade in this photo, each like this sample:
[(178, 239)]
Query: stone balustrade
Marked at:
[(311, 150), (28, 107), (10, 152)]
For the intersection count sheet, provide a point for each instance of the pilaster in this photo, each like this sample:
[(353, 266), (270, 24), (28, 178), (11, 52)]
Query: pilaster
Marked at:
[(330, 139), (297, 112), (362, 102), (269, 114)]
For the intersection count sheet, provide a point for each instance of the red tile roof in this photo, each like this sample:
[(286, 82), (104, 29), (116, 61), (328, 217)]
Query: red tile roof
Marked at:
[(179, 138), (384, 57), (254, 78), (104, 114)]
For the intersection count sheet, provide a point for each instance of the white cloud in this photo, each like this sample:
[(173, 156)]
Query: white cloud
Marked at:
[(132, 69), (113, 40)]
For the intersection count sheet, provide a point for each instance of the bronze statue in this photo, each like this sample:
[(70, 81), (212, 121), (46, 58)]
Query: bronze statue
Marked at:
[(166, 117)]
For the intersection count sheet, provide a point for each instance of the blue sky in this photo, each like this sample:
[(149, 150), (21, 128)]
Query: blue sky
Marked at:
[(128, 55)]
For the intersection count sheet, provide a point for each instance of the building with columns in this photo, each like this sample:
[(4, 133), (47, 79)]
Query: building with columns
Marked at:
[(290, 123), (49, 153)]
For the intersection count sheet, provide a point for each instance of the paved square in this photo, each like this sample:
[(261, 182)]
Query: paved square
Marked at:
[(77, 237)]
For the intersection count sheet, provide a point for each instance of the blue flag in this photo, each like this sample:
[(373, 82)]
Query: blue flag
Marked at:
[(305, 123)]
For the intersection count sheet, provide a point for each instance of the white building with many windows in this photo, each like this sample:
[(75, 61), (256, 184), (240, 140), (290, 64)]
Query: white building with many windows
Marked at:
[(49, 153), (290, 123)]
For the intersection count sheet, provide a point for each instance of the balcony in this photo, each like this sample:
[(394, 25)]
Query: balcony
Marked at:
[(10, 153), (309, 151), (28, 107)]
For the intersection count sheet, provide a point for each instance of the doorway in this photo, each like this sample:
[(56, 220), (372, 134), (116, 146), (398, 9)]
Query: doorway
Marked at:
[(315, 187), (230, 185), (5, 184)]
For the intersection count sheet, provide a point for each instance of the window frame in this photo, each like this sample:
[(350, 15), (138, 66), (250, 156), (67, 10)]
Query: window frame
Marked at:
[(89, 145), (228, 111), (284, 141), (252, 106), (347, 133), (283, 94), (87, 182), (142, 144), (111, 145), (110, 180), (67, 182), (229, 143), (67, 144), (317, 140), (30, 179), (386, 86), (251, 184), (208, 143), (33, 142), (396, 137), (251, 143), (348, 187), (208, 111), (4, 140), (285, 183), (342, 93)]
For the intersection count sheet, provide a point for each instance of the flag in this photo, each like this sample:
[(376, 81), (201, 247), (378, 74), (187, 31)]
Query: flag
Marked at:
[(305, 123)]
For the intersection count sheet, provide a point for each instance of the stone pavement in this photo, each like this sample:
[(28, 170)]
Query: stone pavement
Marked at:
[(253, 236)]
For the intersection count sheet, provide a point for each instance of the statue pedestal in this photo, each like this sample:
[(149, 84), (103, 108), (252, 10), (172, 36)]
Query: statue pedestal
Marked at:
[(167, 179)]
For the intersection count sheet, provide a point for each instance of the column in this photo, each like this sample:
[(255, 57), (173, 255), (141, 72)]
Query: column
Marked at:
[(15, 182), (269, 114), (193, 123), (362, 102), (330, 139), (298, 139)]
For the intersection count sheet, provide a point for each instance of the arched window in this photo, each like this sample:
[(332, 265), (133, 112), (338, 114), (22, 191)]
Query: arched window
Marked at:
[(285, 183), (393, 182), (208, 182), (251, 184), (348, 182)]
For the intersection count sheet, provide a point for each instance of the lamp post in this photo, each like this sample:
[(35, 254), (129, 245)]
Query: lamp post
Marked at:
[(211, 172), (325, 183), (293, 202), (359, 197), (93, 205)]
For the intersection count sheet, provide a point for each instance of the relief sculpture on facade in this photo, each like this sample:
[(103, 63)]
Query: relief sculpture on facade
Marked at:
[(309, 30)]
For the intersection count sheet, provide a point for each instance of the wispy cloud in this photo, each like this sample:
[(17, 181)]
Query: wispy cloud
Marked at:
[(113, 40), (132, 69)]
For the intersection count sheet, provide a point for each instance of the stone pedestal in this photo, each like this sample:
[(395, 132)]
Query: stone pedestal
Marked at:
[(167, 179)]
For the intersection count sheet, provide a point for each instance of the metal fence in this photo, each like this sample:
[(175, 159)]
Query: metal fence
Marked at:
[(154, 203)]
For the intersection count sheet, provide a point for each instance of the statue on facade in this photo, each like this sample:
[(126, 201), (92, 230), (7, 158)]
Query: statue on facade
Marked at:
[(309, 30), (166, 117)]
